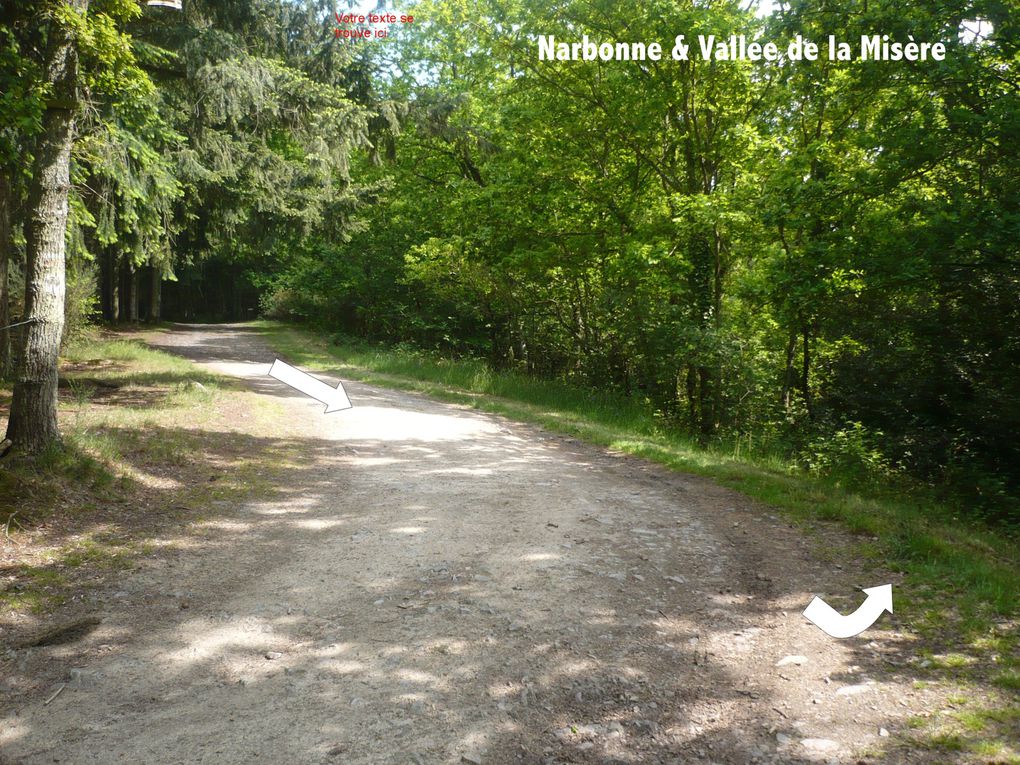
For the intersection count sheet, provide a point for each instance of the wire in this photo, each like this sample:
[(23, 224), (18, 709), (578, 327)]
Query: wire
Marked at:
[(33, 320)]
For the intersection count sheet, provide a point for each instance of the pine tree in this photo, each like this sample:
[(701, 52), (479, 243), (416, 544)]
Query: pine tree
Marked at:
[(33, 422)]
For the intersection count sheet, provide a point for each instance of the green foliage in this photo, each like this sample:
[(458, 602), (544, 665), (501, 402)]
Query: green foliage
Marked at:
[(21, 99), (804, 256), (817, 258), (850, 452), (81, 301)]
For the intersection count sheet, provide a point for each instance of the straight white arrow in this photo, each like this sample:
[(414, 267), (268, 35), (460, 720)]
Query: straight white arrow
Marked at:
[(335, 399), (833, 623)]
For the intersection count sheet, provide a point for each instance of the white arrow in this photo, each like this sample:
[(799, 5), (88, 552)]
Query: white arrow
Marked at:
[(832, 622), (335, 399)]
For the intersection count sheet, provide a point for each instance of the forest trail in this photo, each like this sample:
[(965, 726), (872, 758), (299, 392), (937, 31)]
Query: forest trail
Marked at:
[(445, 586)]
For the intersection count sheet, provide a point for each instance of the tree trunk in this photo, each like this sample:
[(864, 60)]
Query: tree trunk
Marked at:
[(132, 296), (788, 376), (33, 422), (156, 295), (706, 424), (6, 248), (111, 285), (805, 375)]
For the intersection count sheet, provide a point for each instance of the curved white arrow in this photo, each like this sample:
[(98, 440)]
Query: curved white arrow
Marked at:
[(832, 622), (335, 399)]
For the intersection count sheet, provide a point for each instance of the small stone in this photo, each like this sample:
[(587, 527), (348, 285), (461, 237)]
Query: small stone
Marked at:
[(883, 733), (471, 758), (782, 738), (788, 660), (273, 655)]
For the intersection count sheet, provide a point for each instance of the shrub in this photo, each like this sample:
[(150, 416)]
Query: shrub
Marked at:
[(850, 452)]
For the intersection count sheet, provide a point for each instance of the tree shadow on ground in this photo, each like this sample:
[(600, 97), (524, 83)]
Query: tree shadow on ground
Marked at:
[(443, 660), (232, 559)]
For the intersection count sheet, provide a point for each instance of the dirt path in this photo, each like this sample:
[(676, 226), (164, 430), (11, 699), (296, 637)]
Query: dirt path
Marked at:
[(444, 586)]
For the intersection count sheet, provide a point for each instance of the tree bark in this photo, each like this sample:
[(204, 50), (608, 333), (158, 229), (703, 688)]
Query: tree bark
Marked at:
[(6, 247), (132, 296), (156, 295), (805, 375), (33, 422), (111, 275), (788, 376)]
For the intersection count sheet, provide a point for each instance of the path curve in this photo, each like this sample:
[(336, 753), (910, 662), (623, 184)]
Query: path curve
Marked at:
[(447, 586)]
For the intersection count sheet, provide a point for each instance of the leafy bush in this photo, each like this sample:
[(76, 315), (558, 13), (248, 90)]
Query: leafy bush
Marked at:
[(850, 452)]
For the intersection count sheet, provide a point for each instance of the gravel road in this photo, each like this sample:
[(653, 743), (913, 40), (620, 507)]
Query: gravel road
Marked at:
[(445, 586)]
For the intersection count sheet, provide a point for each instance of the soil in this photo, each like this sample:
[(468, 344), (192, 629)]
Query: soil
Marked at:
[(437, 585)]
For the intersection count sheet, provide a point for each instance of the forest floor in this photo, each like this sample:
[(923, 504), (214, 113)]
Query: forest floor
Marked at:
[(412, 581)]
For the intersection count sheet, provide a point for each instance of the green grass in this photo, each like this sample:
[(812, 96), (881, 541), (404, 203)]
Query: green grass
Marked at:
[(128, 364), (143, 451), (985, 732), (38, 588), (959, 576), (141, 381), (103, 553), (121, 405), (1009, 680)]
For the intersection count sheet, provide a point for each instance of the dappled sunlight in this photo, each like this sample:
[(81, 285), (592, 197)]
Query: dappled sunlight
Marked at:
[(533, 557), (447, 588), (204, 642), (372, 461), (222, 525), (418, 677), (320, 524), (462, 471), (394, 424), (11, 730), (144, 475), (300, 505), (343, 668)]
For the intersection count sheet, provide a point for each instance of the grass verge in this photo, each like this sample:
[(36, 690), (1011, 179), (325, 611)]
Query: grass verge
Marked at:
[(143, 451)]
